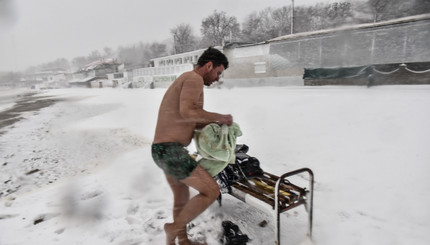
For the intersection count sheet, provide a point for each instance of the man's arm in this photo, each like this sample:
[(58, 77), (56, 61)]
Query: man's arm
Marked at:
[(191, 106)]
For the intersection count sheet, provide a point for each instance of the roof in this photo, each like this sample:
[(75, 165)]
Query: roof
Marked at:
[(83, 80), (353, 27), (98, 64), (173, 56)]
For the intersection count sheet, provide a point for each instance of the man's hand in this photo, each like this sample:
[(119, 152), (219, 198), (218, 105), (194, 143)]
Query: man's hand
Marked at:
[(226, 119)]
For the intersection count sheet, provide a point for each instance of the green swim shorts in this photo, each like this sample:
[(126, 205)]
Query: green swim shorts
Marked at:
[(173, 159)]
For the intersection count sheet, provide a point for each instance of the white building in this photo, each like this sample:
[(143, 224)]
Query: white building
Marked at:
[(166, 69)]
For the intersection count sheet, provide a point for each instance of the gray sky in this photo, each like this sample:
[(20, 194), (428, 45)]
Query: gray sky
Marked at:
[(33, 32)]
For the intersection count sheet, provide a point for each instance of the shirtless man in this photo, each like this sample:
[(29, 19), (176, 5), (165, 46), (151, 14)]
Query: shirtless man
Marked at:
[(181, 112)]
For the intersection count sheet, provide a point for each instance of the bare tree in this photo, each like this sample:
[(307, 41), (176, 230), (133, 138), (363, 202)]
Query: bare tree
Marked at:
[(378, 7), (337, 14), (219, 27), (155, 50), (420, 7), (391, 9), (267, 24), (93, 56), (184, 39), (108, 52), (132, 55), (323, 16), (79, 61), (253, 28), (303, 18), (282, 20)]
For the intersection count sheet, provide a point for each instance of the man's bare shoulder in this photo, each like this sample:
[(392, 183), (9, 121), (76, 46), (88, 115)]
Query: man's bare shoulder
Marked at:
[(190, 76), (185, 82)]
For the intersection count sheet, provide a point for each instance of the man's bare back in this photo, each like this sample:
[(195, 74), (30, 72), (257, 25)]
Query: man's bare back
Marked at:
[(171, 125), (182, 109)]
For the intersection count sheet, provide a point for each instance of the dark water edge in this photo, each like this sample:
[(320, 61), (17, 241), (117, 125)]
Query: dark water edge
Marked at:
[(28, 103)]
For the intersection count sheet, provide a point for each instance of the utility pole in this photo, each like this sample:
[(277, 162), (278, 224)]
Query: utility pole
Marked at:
[(292, 16)]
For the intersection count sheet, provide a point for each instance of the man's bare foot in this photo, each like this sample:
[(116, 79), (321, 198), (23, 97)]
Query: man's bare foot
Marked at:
[(171, 233), (183, 238)]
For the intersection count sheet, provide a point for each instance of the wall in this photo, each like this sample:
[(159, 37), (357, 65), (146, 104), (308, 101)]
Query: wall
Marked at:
[(404, 40)]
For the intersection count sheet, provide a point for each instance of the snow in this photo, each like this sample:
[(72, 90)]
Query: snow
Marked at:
[(353, 27), (8, 97), (95, 181)]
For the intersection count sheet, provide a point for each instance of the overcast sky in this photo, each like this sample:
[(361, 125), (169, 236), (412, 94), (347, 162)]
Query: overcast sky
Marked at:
[(33, 32)]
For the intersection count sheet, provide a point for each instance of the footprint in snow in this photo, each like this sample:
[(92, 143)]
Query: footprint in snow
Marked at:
[(44, 217)]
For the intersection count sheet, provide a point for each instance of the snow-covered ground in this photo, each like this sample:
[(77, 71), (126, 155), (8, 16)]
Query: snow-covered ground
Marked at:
[(9, 96), (80, 171)]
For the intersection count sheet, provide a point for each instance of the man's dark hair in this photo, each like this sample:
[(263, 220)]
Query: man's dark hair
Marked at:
[(214, 55)]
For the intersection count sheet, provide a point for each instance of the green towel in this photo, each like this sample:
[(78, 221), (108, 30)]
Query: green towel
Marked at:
[(216, 145)]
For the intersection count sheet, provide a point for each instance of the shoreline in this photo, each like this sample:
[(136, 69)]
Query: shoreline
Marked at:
[(27, 102)]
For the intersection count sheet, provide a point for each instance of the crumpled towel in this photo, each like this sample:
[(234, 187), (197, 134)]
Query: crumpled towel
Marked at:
[(216, 145)]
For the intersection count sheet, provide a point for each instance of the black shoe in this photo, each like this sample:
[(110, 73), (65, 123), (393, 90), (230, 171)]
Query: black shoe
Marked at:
[(232, 235)]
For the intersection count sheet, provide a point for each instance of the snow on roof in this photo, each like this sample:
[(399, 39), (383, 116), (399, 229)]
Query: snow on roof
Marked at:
[(95, 64), (194, 52), (353, 27)]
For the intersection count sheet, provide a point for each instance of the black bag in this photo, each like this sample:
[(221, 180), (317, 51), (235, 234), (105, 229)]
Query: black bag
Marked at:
[(245, 167), (249, 166)]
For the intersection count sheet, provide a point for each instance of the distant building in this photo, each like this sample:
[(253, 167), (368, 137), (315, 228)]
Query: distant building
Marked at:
[(121, 78), (166, 69), (95, 74), (46, 78)]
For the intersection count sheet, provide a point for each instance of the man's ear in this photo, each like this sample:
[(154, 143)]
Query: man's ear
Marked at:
[(209, 66)]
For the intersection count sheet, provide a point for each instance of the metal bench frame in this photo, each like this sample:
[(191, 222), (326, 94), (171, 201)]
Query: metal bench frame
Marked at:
[(280, 193)]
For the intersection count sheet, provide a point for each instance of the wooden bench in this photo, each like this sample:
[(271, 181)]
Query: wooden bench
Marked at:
[(279, 193)]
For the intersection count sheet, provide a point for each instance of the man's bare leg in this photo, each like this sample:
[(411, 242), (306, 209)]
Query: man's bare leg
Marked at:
[(208, 193), (181, 195)]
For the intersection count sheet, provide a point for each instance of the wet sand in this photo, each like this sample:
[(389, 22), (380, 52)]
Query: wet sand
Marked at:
[(27, 103)]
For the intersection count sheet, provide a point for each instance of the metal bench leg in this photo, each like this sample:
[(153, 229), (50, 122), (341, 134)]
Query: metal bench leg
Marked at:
[(311, 197)]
